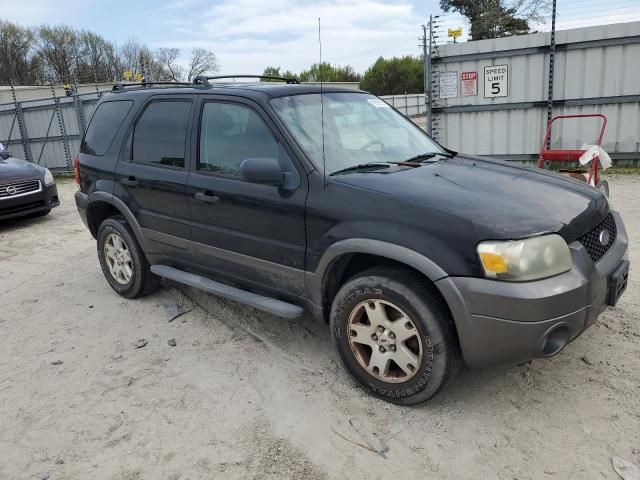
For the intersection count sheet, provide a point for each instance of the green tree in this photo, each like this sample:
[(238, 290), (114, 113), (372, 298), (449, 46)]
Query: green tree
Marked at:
[(318, 72), (394, 76), (498, 18), (275, 72), (326, 72)]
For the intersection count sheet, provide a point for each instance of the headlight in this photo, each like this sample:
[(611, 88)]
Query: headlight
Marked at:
[(523, 260), (48, 177)]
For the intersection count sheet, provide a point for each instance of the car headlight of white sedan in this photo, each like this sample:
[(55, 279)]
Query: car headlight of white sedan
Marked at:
[(524, 260)]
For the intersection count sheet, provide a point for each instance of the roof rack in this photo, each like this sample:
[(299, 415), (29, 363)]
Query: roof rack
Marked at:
[(202, 80), (121, 86)]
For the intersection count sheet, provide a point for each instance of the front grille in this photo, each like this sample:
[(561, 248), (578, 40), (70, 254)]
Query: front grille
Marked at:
[(591, 240), (17, 189)]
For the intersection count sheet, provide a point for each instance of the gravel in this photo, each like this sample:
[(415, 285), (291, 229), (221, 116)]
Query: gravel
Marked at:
[(248, 395)]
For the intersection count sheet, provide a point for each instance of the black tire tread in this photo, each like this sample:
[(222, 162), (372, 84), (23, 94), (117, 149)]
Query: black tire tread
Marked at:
[(431, 299), (148, 281), (428, 292)]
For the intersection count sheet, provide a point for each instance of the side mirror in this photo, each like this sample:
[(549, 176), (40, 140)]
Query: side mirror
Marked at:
[(262, 170)]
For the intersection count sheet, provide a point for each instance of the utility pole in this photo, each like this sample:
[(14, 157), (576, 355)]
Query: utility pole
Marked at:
[(423, 45), (428, 73), (552, 54)]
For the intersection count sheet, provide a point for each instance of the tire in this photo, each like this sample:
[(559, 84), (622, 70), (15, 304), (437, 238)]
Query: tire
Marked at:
[(603, 186), (397, 295), (122, 260)]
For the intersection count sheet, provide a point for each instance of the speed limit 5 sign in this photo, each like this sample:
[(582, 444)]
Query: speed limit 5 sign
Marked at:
[(496, 81)]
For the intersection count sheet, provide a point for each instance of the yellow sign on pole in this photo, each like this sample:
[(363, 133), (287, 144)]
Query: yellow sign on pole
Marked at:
[(138, 77), (127, 74), (455, 32)]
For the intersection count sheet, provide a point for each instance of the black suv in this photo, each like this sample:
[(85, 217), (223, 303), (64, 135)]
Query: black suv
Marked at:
[(291, 197)]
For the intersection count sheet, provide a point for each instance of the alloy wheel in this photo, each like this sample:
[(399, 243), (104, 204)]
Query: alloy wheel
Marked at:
[(385, 341), (118, 258)]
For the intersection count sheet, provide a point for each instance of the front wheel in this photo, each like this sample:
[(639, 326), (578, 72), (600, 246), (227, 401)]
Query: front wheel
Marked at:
[(395, 335), (122, 260)]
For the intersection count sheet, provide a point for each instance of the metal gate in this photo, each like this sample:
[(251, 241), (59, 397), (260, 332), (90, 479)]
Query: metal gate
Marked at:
[(47, 131)]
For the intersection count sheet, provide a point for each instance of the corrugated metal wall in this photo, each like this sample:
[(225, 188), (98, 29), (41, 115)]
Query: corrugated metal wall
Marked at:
[(410, 105), (597, 70), (46, 131)]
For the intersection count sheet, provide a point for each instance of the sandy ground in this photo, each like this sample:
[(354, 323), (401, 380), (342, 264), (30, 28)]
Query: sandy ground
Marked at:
[(247, 395)]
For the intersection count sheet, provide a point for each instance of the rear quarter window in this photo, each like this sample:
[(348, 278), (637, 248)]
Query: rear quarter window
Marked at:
[(104, 125)]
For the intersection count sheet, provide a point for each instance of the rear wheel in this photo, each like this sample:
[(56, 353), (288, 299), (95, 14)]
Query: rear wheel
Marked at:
[(395, 335), (122, 260)]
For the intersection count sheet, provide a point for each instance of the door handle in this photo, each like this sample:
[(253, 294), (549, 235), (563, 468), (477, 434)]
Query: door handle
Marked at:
[(129, 181), (207, 197)]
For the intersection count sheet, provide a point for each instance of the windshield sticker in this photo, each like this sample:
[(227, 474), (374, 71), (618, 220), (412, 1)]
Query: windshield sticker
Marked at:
[(376, 102)]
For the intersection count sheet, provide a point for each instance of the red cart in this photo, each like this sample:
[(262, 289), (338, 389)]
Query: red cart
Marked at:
[(590, 175)]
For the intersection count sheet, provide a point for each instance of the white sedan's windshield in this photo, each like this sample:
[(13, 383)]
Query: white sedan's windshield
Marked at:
[(358, 129)]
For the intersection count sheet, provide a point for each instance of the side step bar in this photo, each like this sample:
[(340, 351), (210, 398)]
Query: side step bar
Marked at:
[(267, 304)]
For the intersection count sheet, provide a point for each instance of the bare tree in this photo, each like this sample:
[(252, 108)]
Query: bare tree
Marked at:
[(534, 11), (114, 65), (498, 18), (58, 46), (138, 59), (18, 61), (94, 53), (63, 54), (168, 58), (129, 54), (202, 61)]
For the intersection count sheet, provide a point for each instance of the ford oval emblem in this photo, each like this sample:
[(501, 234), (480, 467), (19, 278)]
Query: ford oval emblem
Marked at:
[(604, 238)]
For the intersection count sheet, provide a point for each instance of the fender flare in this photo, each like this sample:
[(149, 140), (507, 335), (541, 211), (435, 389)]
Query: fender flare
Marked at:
[(316, 280), (124, 210), (430, 269)]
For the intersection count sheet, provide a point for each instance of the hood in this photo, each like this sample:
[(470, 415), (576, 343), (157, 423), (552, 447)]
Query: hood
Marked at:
[(15, 169), (502, 200)]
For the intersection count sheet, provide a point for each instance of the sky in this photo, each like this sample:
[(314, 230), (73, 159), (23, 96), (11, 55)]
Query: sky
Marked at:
[(249, 35)]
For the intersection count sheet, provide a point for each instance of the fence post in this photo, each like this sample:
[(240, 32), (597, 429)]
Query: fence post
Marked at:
[(63, 130), (22, 127), (77, 105)]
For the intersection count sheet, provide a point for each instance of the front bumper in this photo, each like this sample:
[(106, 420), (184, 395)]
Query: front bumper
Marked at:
[(45, 199), (507, 323)]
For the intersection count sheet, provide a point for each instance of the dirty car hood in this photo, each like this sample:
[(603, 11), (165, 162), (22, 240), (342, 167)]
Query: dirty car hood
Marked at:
[(501, 199)]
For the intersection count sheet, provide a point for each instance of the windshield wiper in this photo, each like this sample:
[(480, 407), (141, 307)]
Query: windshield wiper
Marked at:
[(362, 166), (427, 156)]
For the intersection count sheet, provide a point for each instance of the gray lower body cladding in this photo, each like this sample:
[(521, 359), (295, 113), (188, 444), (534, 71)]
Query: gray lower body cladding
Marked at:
[(507, 323)]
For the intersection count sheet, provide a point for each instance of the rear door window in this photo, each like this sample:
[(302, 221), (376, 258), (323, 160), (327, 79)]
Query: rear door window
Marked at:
[(104, 126), (159, 137)]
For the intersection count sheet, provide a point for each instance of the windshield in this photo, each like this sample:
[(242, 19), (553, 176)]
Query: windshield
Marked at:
[(358, 129)]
